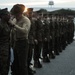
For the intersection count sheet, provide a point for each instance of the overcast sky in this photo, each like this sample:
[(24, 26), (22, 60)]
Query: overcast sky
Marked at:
[(38, 3)]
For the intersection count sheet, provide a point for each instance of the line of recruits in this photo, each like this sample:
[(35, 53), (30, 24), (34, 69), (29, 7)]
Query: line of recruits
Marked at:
[(49, 35), (32, 35)]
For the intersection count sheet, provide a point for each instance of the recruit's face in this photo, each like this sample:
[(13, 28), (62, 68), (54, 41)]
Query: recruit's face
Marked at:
[(18, 16)]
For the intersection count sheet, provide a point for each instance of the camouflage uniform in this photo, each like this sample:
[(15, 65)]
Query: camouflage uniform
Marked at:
[(31, 40), (70, 30), (4, 48), (38, 44), (45, 40), (55, 37), (51, 54), (4, 42)]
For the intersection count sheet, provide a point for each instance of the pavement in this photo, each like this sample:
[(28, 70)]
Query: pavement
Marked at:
[(63, 64)]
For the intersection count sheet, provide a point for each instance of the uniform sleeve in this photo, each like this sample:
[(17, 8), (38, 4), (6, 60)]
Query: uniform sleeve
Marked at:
[(26, 26), (1, 27)]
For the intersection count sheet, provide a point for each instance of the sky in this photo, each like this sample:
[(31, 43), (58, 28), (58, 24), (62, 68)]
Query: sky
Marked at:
[(38, 3)]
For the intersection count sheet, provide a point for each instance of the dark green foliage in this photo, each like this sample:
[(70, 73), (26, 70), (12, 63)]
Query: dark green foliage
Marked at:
[(64, 12)]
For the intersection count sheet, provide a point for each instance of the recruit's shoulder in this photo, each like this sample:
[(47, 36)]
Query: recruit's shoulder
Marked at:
[(26, 20)]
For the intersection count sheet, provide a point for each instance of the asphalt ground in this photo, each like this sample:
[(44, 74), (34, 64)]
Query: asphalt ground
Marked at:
[(63, 64)]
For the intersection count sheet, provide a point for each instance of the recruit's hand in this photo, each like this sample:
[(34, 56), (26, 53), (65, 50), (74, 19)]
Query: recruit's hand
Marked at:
[(45, 39), (11, 22), (50, 37), (36, 42)]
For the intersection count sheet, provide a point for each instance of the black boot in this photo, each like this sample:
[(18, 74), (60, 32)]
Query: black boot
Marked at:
[(31, 71), (52, 56), (46, 59), (37, 64), (56, 52)]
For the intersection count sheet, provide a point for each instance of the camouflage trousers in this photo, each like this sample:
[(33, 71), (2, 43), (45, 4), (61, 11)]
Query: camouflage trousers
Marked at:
[(4, 58)]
